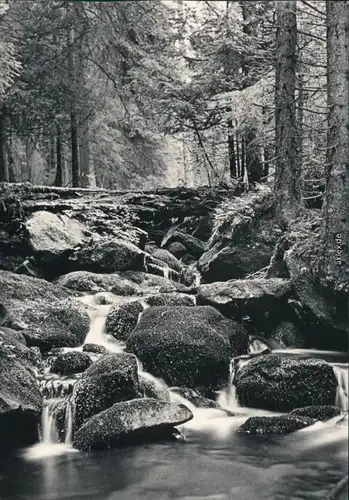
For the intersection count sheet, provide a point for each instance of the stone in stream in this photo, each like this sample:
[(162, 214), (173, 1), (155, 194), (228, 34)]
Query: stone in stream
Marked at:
[(95, 348), (46, 314), (168, 258), (133, 422), (20, 400), (108, 255), (194, 398), (122, 319), (186, 346), (86, 281), (284, 383), (70, 362), (288, 334), (50, 236), (283, 424), (109, 380), (320, 412), (193, 245), (177, 249), (170, 299), (265, 301)]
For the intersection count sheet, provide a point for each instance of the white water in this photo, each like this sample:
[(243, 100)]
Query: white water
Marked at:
[(69, 418), (341, 374), (256, 346)]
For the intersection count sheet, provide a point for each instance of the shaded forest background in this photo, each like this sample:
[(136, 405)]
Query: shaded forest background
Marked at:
[(141, 94)]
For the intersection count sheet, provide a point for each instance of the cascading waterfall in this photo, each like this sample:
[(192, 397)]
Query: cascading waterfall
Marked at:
[(341, 374), (49, 431), (69, 419)]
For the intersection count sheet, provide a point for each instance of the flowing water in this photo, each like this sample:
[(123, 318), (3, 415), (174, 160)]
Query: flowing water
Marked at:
[(216, 462)]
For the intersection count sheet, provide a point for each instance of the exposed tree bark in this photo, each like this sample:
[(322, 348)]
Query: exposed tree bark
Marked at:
[(4, 171), (337, 174), (287, 178), (59, 164), (253, 161), (231, 149), (238, 163), (243, 158)]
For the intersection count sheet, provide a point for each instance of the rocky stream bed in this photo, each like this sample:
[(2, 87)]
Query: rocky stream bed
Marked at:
[(129, 319)]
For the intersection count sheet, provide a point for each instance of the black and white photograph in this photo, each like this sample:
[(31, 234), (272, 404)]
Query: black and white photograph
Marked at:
[(174, 249)]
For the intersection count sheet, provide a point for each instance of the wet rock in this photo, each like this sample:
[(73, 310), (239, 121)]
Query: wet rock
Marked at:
[(264, 301), (150, 283), (283, 424), (170, 299), (193, 245), (287, 334), (111, 379), (168, 258), (71, 362), (122, 320), (194, 398), (177, 249), (64, 324), (20, 401), (131, 421), (94, 348), (50, 236), (185, 346), (282, 383), (151, 388), (85, 281), (321, 412), (108, 255), (46, 314)]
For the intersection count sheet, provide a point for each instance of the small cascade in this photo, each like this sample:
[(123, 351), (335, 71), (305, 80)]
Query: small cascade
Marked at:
[(227, 397), (53, 388), (256, 346), (48, 430), (69, 418), (197, 279), (341, 374)]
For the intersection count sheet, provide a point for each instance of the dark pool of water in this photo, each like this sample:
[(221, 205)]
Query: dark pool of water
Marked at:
[(216, 463)]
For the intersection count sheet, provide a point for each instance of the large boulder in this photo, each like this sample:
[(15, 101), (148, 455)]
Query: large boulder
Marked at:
[(20, 401), (177, 249), (322, 413), (193, 245), (283, 424), (50, 236), (46, 314), (168, 258), (287, 334), (283, 383), (110, 380), (86, 281), (70, 362), (322, 307), (186, 346), (170, 299), (12, 343), (108, 255), (265, 301), (131, 421), (122, 319)]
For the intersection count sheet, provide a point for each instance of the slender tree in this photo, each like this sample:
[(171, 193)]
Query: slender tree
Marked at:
[(287, 181), (337, 172)]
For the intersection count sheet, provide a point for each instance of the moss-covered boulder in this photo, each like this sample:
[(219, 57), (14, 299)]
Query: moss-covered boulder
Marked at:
[(168, 258), (186, 346), (177, 249), (70, 362), (170, 299), (283, 383), (46, 314), (131, 422), (86, 281), (283, 424), (110, 380), (95, 348), (122, 319), (288, 334), (20, 400), (108, 255), (320, 412)]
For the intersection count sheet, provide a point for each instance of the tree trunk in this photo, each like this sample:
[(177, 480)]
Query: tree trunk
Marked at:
[(59, 163), (4, 171), (243, 158), (75, 167), (238, 163), (287, 178), (337, 174), (231, 149)]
